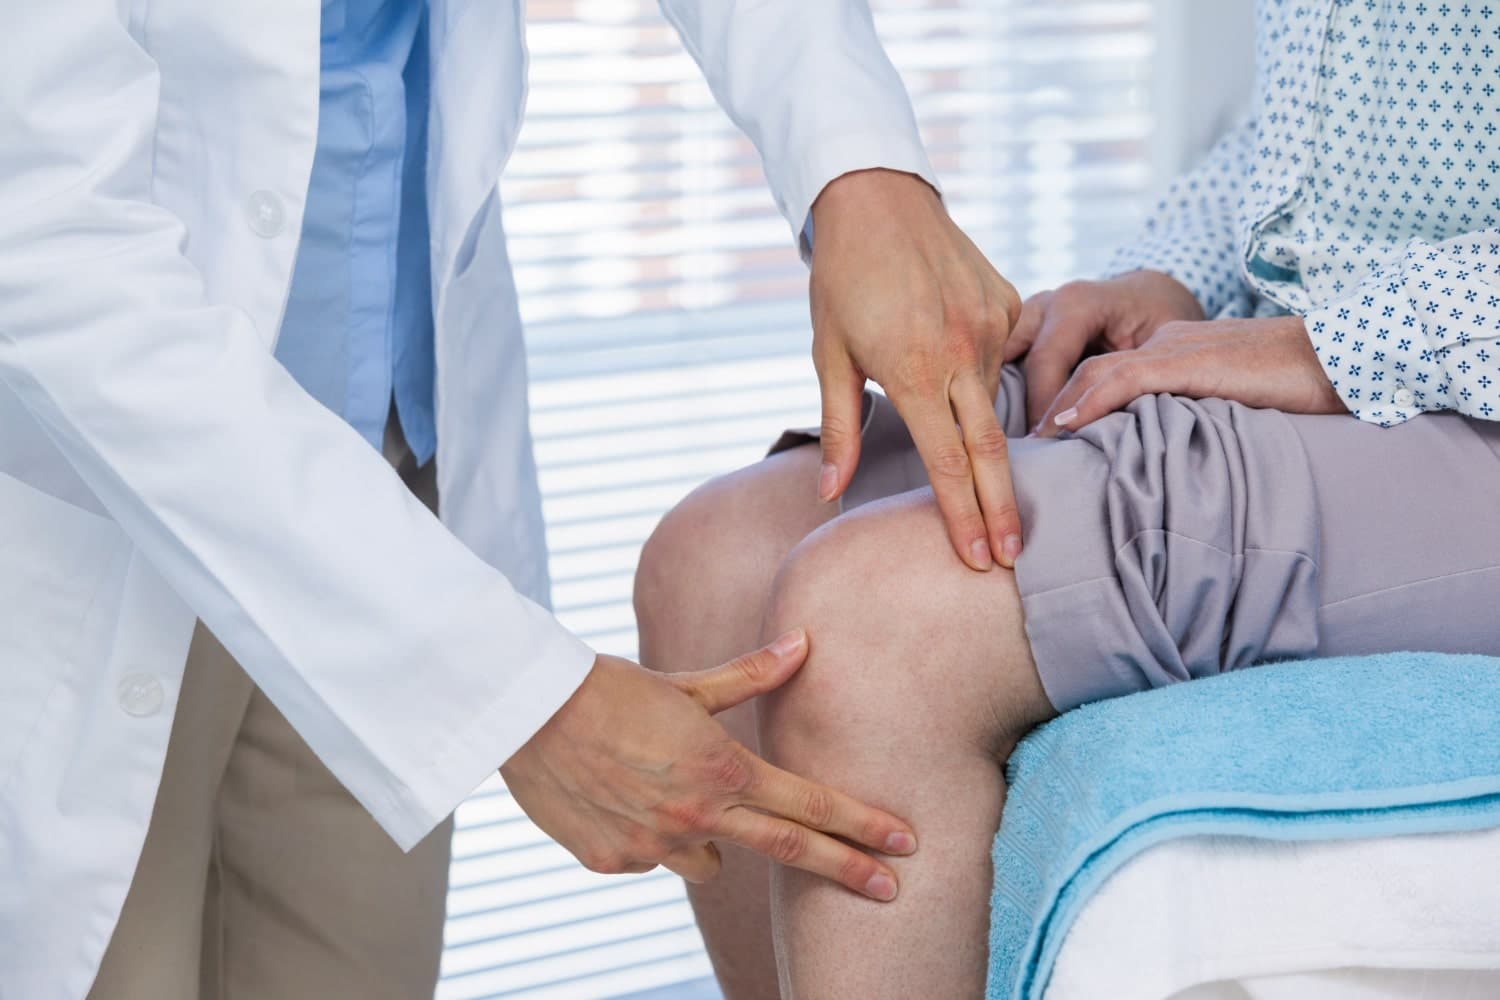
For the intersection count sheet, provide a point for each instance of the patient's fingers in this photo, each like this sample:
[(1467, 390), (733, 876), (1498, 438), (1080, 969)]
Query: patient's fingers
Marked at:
[(989, 455), (796, 845), (1088, 374), (1024, 335), (809, 804), (1065, 334), (1104, 384), (932, 427), (697, 863)]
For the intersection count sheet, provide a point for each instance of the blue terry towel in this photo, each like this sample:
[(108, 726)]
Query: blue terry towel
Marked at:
[(1314, 750)]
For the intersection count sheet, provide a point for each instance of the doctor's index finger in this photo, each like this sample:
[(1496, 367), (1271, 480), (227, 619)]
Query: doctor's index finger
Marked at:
[(989, 455), (806, 803), (799, 846), (951, 473)]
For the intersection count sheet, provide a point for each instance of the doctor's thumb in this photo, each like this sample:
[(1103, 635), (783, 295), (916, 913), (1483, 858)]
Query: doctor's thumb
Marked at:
[(747, 676)]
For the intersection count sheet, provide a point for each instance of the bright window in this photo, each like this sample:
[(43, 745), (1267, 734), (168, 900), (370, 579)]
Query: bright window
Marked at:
[(667, 320)]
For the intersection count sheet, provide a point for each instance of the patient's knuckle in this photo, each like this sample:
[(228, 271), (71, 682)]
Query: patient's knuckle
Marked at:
[(1035, 306), (1128, 377), (1073, 295), (1065, 294), (1091, 371), (787, 843)]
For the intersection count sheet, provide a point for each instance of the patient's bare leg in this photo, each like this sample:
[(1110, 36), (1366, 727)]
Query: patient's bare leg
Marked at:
[(701, 594), (919, 683)]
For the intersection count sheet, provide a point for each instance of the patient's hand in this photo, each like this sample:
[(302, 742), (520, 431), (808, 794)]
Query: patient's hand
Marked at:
[(634, 771), (900, 295), (1267, 363), (1058, 328)]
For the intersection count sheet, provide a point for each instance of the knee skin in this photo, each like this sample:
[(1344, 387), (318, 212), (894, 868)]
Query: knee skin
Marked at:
[(704, 574), (906, 641)]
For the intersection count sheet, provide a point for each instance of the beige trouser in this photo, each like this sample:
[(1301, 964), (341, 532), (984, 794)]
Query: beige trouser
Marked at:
[(261, 877)]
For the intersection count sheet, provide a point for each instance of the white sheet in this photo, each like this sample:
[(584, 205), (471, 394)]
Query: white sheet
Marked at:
[(1228, 918)]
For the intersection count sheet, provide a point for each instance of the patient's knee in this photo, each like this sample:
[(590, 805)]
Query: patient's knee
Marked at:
[(826, 586), (906, 642), (701, 586), (672, 577)]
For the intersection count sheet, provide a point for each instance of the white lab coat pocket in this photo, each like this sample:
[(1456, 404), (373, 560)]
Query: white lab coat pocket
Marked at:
[(61, 571)]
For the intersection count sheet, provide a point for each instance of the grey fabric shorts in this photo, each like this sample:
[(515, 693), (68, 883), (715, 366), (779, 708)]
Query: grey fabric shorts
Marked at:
[(1182, 538)]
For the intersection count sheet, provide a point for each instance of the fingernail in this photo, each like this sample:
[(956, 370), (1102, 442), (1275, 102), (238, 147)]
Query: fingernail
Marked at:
[(828, 481), (980, 550), (1011, 548), (900, 843), (788, 642), (882, 887), (1066, 417)]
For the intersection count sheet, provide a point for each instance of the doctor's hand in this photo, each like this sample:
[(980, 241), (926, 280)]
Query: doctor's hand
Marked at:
[(1058, 328), (633, 771), (901, 296)]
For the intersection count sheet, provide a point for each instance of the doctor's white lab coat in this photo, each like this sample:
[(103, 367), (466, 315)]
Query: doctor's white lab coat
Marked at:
[(157, 464)]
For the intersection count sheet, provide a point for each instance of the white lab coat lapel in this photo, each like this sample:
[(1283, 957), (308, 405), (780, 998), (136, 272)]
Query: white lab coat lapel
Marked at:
[(478, 87), (486, 472)]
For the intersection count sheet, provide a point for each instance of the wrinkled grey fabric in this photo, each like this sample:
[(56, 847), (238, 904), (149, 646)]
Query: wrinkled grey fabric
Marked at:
[(1176, 539)]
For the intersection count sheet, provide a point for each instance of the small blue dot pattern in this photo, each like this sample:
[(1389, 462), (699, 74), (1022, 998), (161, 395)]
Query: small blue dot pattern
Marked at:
[(1363, 193)]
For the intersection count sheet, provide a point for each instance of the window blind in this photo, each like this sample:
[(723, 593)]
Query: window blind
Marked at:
[(668, 330)]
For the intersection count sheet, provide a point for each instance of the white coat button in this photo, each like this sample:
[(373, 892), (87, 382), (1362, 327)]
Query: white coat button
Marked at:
[(267, 216), (1403, 397), (140, 695)]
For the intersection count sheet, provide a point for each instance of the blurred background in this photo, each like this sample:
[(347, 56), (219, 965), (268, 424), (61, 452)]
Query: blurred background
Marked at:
[(666, 314)]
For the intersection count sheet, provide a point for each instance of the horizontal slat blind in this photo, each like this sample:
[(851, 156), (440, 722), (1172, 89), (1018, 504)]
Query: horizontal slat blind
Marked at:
[(667, 323)]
